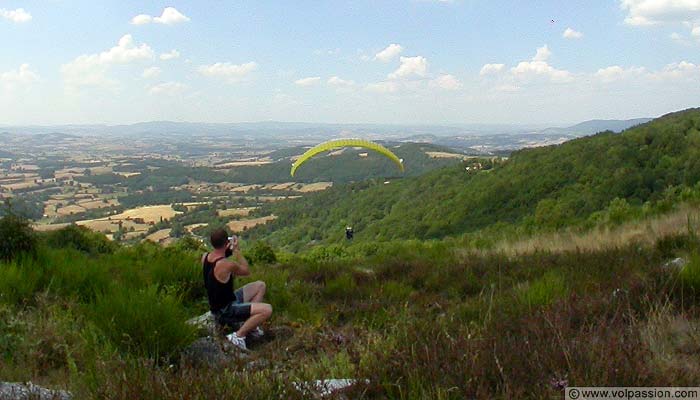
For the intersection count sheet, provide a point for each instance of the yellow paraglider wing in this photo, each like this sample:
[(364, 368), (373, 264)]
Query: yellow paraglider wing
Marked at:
[(337, 143)]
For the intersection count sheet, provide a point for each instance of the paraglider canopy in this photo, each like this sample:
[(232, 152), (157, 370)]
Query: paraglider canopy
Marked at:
[(334, 144)]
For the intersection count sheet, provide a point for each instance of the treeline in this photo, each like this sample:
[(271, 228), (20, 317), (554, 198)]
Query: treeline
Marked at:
[(646, 166)]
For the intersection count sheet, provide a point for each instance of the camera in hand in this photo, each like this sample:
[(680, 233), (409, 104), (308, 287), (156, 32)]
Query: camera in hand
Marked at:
[(229, 251)]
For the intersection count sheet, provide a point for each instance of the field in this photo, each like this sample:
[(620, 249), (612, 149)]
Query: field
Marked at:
[(236, 212), (314, 187), (243, 224), (149, 214), (159, 236), (441, 154)]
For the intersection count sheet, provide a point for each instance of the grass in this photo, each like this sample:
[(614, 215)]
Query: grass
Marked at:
[(431, 320)]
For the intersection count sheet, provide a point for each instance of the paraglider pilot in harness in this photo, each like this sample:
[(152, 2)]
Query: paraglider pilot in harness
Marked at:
[(243, 309)]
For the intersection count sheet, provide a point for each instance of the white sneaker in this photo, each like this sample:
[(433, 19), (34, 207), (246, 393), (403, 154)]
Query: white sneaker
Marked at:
[(237, 341), (256, 333)]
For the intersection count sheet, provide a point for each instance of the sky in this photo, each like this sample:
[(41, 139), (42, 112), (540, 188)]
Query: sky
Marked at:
[(360, 61)]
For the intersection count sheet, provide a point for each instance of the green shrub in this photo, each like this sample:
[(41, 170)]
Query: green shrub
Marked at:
[(670, 245), (341, 287), (142, 321), (18, 283), (690, 274), (16, 237), (191, 244), (261, 253), (543, 291), (81, 239), (71, 273)]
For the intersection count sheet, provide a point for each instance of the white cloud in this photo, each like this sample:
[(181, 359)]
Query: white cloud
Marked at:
[(538, 66), (542, 54), (446, 82), (336, 81), (390, 52), (651, 12), (167, 88), (141, 19), (170, 16), (527, 69), (383, 87), (18, 15), (696, 32), (23, 75), (616, 73), (152, 72), (231, 73), (310, 81), (571, 34), (680, 71), (171, 55), (489, 69), (90, 69), (410, 66)]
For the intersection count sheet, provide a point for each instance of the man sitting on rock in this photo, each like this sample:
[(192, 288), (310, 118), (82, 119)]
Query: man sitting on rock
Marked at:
[(228, 307)]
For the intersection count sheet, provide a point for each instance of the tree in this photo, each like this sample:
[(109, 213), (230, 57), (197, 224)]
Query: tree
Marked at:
[(16, 235)]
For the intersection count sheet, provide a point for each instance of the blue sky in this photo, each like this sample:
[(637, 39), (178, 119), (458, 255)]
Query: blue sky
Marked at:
[(399, 61)]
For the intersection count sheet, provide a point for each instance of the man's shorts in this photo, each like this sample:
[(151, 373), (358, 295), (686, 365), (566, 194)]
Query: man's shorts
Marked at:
[(235, 313)]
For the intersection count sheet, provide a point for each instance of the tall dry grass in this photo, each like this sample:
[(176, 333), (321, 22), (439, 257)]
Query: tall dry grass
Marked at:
[(682, 221)]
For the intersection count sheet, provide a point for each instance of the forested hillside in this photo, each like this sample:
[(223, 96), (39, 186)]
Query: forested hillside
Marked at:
[(346, 166), (547, 187)]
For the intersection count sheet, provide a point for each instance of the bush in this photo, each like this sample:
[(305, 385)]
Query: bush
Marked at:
[(690, 274), (543, 291), (81, 239), (16, 236), (261, 253), (144, 322), (190, 243)]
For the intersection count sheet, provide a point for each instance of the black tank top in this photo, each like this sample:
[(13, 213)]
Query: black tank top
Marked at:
[(219, 294)]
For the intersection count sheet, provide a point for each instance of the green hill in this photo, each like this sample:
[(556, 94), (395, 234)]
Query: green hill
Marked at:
[(346, 166), (547, 187)]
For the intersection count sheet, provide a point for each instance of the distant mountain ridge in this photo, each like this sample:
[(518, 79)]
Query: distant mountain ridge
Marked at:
[(599, 125), (329, 129)]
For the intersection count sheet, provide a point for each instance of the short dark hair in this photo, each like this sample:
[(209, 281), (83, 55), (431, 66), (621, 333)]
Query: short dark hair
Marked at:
[(219, 238)]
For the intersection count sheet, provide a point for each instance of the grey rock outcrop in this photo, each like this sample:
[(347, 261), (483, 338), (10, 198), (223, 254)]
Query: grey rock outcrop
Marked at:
[(22, 391), (324, 387), (211, 352), (677, 263)]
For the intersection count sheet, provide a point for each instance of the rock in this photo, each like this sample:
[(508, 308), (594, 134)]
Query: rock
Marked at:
[(324, 387), (207, 323), (210, 352), (677, 263), (21, 391)]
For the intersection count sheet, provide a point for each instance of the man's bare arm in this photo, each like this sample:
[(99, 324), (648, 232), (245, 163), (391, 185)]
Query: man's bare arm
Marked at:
[(240, 266)]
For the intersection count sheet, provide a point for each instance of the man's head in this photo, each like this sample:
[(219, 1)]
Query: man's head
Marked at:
[(219, 238)]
